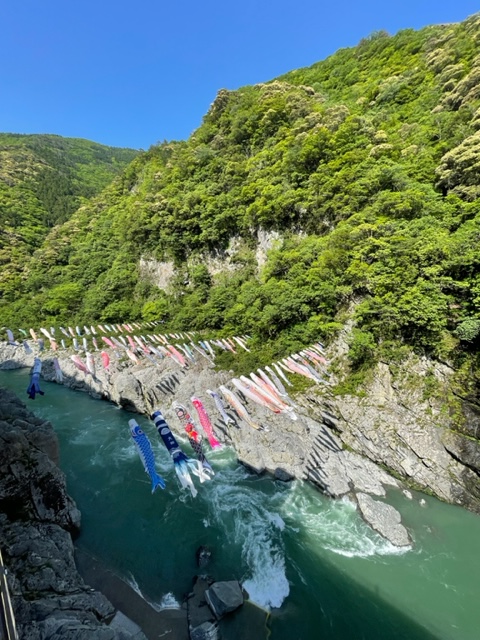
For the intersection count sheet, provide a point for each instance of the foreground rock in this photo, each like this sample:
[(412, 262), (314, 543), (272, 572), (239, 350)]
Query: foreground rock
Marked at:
[(49, 598), (32, 487), (384, 519), (201, 620)]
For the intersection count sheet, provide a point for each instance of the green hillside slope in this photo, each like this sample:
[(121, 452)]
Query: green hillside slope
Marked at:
[(367, 164), (43, 180)]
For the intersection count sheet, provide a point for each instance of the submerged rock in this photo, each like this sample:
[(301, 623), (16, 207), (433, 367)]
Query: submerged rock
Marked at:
[(203, 556), (385, 519)]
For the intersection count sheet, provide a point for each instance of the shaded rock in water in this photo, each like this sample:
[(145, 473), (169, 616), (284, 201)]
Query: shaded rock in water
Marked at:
[(206, 631), (224, 597), (281, 474), (166, 623), (203, 556), (121, 624), (198, 611), (384, 519)]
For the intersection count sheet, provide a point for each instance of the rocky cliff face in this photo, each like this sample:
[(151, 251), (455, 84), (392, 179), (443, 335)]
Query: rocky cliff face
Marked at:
[(219, 262), (37, 520), (410, 419), (395, 426)]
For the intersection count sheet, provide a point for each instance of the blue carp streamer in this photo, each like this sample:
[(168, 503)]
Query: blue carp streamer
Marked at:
[(145, 452), (182, 463), (34, 386)]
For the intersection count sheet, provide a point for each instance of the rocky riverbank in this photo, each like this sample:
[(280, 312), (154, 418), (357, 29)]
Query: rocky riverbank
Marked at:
[(37, 522), (342, 454)]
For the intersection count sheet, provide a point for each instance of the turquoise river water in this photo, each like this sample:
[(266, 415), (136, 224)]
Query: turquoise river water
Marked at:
[(313, 569)]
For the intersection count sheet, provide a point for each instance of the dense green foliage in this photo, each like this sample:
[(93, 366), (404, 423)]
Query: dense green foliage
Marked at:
[(43, 180), (368, 166)]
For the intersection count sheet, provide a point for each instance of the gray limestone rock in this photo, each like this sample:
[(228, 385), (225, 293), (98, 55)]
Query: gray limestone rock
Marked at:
[(224, 597), (385, 519)]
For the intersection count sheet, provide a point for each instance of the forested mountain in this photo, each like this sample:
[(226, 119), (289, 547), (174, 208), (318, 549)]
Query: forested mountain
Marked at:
[(43, 180), (367, 165)]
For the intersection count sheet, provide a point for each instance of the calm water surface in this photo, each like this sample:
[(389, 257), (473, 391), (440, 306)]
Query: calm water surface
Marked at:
[(312, 568)]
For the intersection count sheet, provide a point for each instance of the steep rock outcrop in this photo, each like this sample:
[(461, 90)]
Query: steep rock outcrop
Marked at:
[(395, 424), (32, 487), (37, 517)]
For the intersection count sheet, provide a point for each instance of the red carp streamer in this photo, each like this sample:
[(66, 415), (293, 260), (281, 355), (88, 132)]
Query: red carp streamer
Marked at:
[(105, 360), (205, 422)]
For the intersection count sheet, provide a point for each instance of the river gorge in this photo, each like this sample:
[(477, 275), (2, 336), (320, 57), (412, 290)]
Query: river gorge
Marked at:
[(311, 566)]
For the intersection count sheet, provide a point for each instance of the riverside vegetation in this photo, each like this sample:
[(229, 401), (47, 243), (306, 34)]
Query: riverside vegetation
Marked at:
[(364, 167)]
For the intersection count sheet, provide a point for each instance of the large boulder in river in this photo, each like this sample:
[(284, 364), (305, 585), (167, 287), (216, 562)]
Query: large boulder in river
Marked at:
[(224, 597), (384, 519)]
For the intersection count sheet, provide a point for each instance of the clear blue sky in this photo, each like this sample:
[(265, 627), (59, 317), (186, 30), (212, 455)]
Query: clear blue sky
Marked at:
[(134, 73)]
